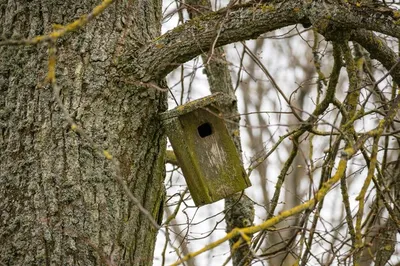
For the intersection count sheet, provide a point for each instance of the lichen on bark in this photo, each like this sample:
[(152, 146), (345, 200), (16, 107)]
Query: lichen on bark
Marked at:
[(60, 202)]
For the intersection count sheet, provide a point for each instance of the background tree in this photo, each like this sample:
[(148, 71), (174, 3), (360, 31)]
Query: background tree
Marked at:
[(83, 149)]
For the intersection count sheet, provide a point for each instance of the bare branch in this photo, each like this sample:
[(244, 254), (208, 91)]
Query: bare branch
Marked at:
[(248, 21)]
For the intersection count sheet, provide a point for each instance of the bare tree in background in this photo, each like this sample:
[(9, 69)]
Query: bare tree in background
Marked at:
[(83, 150)]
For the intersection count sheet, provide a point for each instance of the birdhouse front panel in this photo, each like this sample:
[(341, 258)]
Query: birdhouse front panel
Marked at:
[(215, 154)]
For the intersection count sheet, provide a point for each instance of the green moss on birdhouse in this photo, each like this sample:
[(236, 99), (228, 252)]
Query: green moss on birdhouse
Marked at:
[(204, 149)]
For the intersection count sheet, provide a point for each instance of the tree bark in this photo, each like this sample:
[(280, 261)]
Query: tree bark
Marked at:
[(59, 201)]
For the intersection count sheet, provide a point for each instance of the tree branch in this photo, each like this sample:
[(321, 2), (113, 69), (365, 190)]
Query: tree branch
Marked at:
[(329, 17), (378, 50), (248, 21), (197, 36)]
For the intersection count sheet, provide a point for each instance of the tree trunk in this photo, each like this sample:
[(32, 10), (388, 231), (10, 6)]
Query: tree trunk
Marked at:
[(60, 203)]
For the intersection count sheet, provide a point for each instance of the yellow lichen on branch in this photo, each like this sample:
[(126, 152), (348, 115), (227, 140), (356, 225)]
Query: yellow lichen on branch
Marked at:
[(320, 194), (376, 133), (51, 73), (107, 155), (51, 38), (280, 217), (62, 30)]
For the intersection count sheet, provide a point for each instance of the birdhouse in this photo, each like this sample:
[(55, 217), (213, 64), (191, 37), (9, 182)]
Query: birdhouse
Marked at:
[(205, 150)]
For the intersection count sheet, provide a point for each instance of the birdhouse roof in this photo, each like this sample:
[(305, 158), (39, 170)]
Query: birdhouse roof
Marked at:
[(217, 99)]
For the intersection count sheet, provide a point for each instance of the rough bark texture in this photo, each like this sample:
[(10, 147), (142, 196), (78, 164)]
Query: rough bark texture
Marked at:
[(59, 202), (250, 20), (197, 36), (378, 50)]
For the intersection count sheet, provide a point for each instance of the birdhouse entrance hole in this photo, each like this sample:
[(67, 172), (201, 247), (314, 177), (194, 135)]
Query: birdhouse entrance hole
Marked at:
[(204, 130)]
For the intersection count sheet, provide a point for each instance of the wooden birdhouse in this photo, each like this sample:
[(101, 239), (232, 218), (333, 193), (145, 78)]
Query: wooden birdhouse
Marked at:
[(205, 150)]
